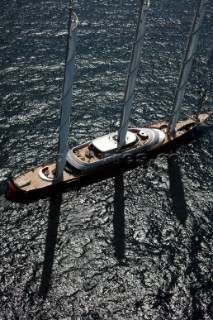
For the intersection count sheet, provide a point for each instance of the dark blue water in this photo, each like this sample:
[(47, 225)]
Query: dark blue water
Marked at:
[(135, 245)]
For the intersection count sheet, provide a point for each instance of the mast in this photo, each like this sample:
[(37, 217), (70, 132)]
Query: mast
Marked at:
[(66, 102), (132, 73), (186, 65)]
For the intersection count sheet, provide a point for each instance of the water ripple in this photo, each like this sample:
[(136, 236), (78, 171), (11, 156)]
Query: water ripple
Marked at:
[(135, 244)]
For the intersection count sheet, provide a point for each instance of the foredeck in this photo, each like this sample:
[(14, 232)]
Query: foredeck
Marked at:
[(37, 183)]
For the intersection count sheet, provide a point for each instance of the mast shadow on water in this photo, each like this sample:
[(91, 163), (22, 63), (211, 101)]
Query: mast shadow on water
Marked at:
[(119, 218), (176, 189), (51, 239)]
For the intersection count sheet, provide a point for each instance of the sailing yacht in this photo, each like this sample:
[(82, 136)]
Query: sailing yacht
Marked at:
[(115, 147)]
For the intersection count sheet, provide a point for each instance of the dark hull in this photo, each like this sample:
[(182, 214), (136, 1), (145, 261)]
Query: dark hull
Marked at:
[(127, 163)]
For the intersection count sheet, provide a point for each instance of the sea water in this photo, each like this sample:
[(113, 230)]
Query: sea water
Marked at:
[(138, 243)]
